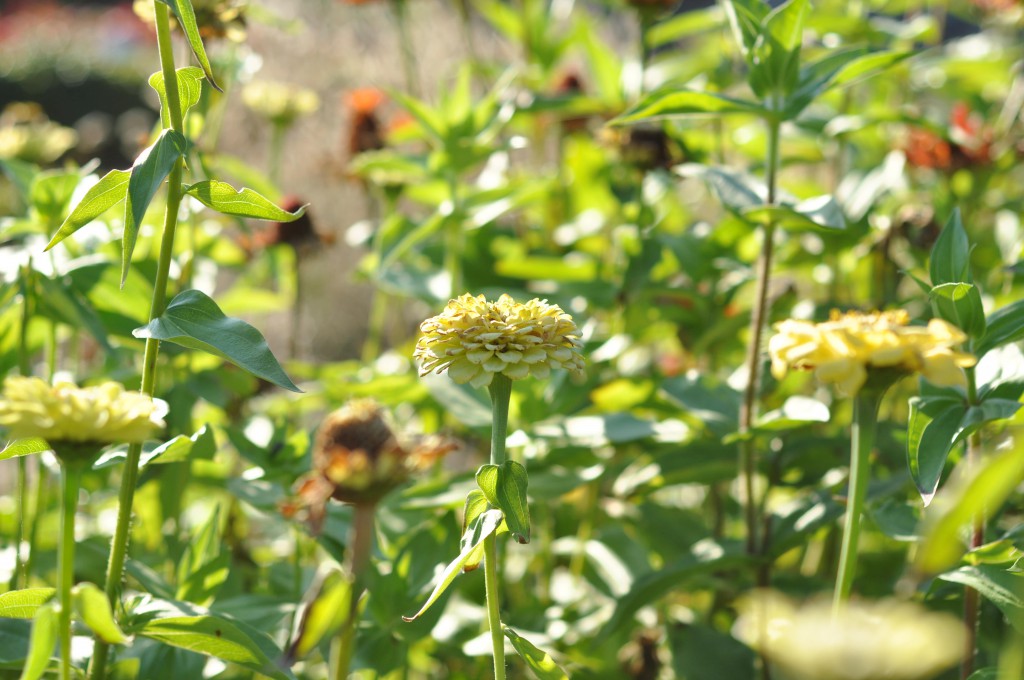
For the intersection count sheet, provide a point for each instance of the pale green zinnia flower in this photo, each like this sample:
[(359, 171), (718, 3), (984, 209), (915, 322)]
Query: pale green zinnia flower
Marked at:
[(883, 640), (66, 413), (474, 339), (280, 103)]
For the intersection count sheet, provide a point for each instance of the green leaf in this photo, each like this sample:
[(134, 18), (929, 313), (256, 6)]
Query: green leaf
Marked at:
[(778, 51), (187, 20), (960, 304), (483, 526), (795, 412), (190, 89), (148, 173), (1001, 587), (538, 661), (950, 257), (737, 191), (505, 488), (324, 613), (1005, 325), (24, 447), (476, 505), (103, 196), (672, 102), (93, 609), (213, 636), (194, 320), (21, 174), (204, 567), (702, 653), (200, 446), (745, 17), (43, 641), (50, 194), (977, 497), (23, 604), (820, 213), (223, 198), (931, 432), (61, 302)]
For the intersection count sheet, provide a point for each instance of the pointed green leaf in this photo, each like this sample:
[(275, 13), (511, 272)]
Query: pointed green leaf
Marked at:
[(190, 89), (194, 320), (200, 446), (186, 16), (23, 604), (213, 636), (21, 174), (476, 504), (931, 433), (103, 196), (204, 567), (485, 524), (223, 198), (960, 304), (148, 173), (43, 641), (323, 614), (538, 661), (676, 103), (23, 447), (1001, 587), (950, 257), (50, 194), (745, 17), (820, 213), (1005, 325), (61, 302), (93, 609), (504, 487)]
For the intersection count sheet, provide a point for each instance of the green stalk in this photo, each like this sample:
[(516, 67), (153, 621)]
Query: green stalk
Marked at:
[(412, 81), (748, 407), (119, 547), (972, 603), (862, 440), (343, 647), (501, 394), (72, 481)]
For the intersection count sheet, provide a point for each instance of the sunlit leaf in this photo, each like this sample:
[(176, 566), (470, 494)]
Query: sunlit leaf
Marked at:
[(225, 199), (538, 661)]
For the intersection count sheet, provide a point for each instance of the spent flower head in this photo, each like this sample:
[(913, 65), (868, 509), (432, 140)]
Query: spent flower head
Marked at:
[(67, 414), (357, 458), (474, 339), (883, 640), (847, 347)]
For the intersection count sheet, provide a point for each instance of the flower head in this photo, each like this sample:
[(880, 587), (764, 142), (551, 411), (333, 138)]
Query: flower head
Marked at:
[(280, 103), (65, 413), (475, 339), (357, 458), (845, 348), (27, 134), (883, 640)]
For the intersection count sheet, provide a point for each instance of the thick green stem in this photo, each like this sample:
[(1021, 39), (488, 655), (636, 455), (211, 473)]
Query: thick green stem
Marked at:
[(862, 440), (972, 602), (501, 394), (748, 407), (72, 481), (25, 368), (343, 648), (493, 616), (129, 478)]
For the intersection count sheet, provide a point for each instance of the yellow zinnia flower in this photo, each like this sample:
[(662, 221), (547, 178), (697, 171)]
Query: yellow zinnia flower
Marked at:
[(475, 339), (883, 640), (66, 413), (845, 348), (280, 103)]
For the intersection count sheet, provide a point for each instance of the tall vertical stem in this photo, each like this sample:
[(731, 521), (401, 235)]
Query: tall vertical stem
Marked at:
[(501, 394), (343, 647), (129, 478), (972, 602), (72, 480), (862, 439), (25, 368), (412, 81), (748, 407)]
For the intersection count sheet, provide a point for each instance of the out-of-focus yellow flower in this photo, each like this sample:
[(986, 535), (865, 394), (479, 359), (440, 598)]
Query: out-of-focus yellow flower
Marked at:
[(67, 414), (475, 339), (845, 348), (358, 459), (28, 135), (882, 640), (280, 103)]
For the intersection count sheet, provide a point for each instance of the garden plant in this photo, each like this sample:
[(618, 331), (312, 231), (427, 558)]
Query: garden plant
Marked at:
[(691, 347)]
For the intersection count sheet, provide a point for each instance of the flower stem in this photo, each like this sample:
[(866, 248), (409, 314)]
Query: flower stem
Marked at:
[(862, 439), (501, 394), (129, 478), (343, 647), (72, 481), (412, 81), (972, 602)]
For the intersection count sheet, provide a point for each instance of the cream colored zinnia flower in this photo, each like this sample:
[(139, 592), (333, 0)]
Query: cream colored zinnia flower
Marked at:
[(882, 640), (66, 413), (845, 348), (475, 339), (280, 103)]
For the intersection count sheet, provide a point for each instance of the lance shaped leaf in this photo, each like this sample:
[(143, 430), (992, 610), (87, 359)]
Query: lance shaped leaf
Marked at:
[(505, 487), (23, 604), (1005, 325), (186, 16), (192, 319), (190, 89), (537, 660), (23, 447), (93, 609), (223, 198), (148, 173), (486, 524), (950, 256), (476, 504), (103, 196), (932, 432), (43, 640), (325, 612)]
